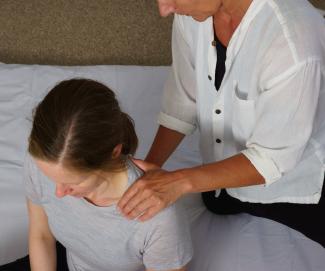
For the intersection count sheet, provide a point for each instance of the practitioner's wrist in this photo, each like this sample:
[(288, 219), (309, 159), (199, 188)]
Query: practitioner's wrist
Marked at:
[(185, 181)]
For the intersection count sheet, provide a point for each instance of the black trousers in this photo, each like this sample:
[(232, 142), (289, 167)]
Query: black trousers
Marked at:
[(23, 263), (305, 218)]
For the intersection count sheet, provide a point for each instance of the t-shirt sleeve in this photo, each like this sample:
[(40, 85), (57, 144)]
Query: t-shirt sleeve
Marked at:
[(168, 244), (33, 189)]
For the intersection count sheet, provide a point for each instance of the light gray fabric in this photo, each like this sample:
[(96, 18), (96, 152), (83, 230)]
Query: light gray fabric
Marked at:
[(99, 238)]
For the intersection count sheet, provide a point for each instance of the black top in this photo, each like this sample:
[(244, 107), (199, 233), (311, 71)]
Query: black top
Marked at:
[(221, 63), (306, 218)]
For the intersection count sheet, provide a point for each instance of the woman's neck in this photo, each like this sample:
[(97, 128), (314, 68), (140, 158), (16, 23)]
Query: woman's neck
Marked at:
[(228, 17), (110, 190)]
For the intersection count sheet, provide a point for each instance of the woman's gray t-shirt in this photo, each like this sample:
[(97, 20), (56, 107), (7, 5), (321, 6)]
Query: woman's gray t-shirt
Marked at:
[(101, 239)]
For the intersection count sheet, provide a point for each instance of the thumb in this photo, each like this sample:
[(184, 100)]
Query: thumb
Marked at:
[(145, 166)]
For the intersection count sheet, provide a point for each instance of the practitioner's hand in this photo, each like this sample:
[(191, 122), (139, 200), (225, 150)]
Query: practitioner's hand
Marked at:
[(151, 193)]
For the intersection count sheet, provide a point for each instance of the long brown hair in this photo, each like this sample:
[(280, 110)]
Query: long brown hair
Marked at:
[(78, 124)]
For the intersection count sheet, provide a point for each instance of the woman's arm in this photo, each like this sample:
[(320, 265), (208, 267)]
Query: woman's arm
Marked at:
[(42, 249)]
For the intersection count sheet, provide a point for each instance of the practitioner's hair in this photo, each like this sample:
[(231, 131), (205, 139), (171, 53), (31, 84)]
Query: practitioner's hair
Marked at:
[(78, 124)]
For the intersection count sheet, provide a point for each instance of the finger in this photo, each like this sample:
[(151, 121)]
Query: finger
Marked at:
[(134, 201), (140, 208), (127, 196), (149, 213), (145, 166)]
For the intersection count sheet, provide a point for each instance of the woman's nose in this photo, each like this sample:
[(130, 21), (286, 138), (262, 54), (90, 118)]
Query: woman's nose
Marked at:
[(166, 7), (61, 190)]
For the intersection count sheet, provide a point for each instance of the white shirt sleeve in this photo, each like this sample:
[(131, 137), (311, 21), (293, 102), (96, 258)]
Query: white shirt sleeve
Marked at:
[(179, 99), (285, 117)]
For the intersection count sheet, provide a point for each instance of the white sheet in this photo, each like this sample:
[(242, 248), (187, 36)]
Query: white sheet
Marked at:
[(22, 86)]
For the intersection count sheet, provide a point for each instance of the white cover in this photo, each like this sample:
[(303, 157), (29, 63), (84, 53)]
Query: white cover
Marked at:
[(139, 91)]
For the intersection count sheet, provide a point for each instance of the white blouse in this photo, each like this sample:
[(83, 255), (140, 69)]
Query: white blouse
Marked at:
[(271, 103)]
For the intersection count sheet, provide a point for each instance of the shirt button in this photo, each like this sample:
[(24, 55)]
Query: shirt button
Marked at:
[(214, 43), (218, 140), (209, 77), (218, 111)]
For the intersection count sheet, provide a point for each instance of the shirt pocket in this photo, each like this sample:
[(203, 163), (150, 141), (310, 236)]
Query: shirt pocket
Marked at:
[(243, 115)]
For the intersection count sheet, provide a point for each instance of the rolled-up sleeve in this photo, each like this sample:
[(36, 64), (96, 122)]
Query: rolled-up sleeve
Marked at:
[(285, 114), (179, 100)]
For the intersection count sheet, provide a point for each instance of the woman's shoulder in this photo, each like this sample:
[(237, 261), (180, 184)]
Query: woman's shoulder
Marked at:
[(35, 183), (32, 184), (172, 219), (30, 169), (167, 244)]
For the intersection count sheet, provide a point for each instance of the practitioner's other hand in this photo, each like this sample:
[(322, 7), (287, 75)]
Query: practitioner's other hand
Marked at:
[(151, 193)]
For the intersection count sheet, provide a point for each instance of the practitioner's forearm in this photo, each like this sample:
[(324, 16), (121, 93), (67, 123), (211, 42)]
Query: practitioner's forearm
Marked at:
[(236, 171), (165, 143)]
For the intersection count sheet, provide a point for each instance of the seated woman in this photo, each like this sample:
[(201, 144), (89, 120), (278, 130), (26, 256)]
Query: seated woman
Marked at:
[(77, 168)]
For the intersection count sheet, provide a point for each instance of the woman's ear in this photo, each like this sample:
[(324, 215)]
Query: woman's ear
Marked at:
[(117, 151)]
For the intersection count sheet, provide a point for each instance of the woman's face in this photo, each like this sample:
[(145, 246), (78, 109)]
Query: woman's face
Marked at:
[(200, 10), (69, 182)]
